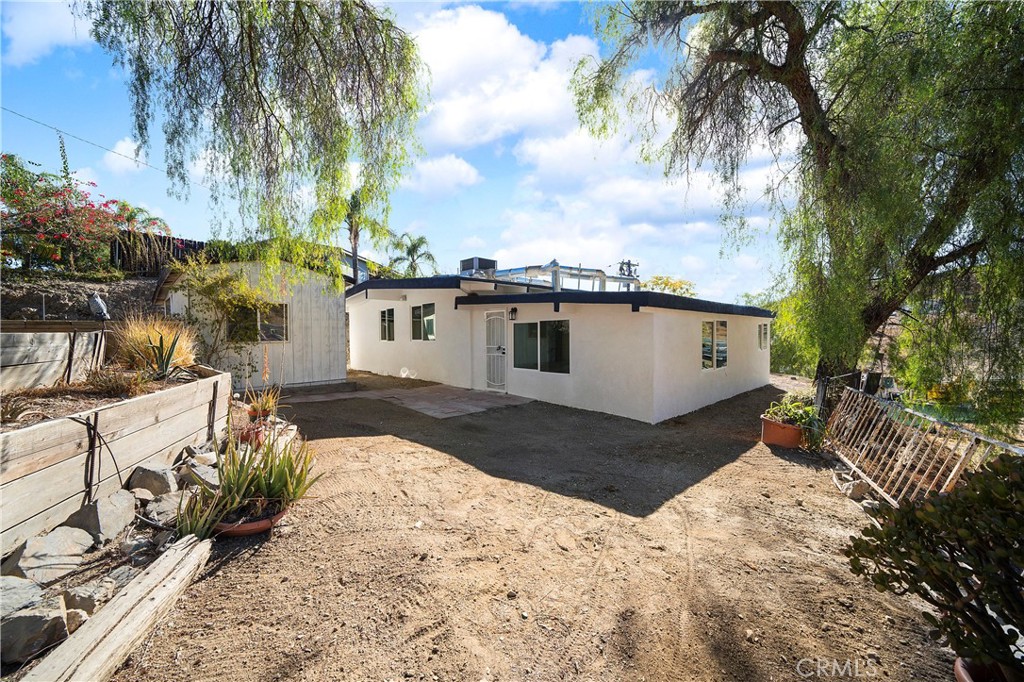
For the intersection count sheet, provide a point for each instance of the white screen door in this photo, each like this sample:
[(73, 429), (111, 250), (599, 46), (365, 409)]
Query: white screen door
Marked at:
[(495, 322)]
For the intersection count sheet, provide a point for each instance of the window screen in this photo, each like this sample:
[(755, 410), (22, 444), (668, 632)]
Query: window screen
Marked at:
[(243, 326), (417, 323), (721, 343), (428, 322), (707, 360), (554, 346), (274, 323), (524, 345), (387, 324)]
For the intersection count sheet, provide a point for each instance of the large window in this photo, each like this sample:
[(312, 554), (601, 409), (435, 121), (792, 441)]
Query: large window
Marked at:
[(387, 325), (762, 336), (541, 345), (423, 320), (249, 325), (714, 344)]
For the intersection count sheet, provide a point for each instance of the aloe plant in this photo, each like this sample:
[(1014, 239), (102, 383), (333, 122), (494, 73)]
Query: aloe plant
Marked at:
[(161, 361)]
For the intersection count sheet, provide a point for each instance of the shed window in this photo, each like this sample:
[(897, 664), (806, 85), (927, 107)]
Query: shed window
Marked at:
[(387, 324), (762, 336), (423, 320), (714, 344), (541, 345), (249, 325)]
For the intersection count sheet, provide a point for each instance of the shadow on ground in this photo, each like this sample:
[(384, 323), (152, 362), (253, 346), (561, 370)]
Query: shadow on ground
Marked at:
[(625, 465)]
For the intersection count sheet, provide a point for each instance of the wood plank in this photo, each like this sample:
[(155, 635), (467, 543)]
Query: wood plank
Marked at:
[(47, 443), (50, 518), (12, 355), (17, 377), (98, 648)]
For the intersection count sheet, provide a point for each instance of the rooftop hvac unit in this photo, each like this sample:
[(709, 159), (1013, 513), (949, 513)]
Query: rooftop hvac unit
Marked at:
[(468, 266)]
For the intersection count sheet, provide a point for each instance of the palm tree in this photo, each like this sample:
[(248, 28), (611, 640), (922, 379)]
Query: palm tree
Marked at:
[(413, 252), (357, 223)]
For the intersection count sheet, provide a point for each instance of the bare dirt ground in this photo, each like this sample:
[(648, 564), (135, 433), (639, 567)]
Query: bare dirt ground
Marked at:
[(544, 543)]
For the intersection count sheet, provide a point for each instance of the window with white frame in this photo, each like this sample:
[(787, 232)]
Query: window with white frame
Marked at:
[(542, 346), (423, 321), (250, 325), (714, 346), (387, 324), (762, 336)]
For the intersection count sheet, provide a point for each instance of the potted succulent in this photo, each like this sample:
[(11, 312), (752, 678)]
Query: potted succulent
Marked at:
[(263, 404), (963, 553), (257, 486), (791, 421)]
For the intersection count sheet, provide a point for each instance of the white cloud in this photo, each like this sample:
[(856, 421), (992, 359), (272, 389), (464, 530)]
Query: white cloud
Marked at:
[(33, 29), (490, 80), (86, 175), (116, 160), (472, 242), (441, 176)]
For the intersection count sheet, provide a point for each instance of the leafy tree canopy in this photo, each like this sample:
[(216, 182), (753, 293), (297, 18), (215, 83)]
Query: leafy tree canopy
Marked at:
[(670, 285), (910, 161), (278, 101), (412, 256)]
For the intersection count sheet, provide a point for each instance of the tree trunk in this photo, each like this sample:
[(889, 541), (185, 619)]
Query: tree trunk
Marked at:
[(353, 231)]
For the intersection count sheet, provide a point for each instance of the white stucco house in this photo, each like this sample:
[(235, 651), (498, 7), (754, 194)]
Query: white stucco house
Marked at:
[(639, 354), (301, 335)]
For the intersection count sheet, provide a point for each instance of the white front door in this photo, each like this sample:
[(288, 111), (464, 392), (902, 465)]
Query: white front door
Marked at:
[(495, 323)]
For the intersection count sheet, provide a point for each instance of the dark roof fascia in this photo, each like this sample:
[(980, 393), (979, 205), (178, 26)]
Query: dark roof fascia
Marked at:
[(634, 299), (439, 282)]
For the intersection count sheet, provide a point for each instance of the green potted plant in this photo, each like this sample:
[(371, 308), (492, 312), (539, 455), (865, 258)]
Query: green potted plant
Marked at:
[(963, 553), (791, 421), (263, 403)]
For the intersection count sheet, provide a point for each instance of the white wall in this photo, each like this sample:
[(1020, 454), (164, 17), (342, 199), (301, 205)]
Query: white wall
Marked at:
[(445, 359), (315, 350), (681, 385), (610, 368)]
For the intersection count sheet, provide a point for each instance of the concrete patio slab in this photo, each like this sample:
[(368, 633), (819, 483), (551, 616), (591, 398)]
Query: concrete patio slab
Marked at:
[(439, 401)]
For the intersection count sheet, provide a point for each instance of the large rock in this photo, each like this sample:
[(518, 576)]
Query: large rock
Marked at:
[(106, 518), (75, 619), (49, 558), (158, 481), (90, 596), (17, 593), (120, 577), (164, 508), (30, 631), (198, 474)]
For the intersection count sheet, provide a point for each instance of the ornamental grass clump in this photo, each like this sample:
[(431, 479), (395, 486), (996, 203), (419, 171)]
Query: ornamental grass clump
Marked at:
[(156, 345), (963, 553)]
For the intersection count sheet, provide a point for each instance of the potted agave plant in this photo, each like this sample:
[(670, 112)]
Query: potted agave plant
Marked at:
[(262, 404), (790, 422), (963, 553), (257, 486)]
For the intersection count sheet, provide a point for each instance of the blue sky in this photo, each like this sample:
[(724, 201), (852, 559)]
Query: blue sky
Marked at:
[(506, 172)]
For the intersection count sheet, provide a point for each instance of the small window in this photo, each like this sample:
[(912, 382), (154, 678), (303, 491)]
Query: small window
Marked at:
[(714, 344), (762, 336), (274, 323), (248, 325), (541, 345), (524, 345), (423, 322), (387, 325)]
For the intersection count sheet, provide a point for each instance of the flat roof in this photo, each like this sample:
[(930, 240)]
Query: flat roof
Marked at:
[(634, 299)]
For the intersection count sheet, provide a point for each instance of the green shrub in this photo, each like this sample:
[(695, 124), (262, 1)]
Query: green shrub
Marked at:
[(963, 553)]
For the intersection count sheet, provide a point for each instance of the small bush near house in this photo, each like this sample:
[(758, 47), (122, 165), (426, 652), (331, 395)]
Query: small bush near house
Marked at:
[(798, 409), (137, 336), (963, 553)]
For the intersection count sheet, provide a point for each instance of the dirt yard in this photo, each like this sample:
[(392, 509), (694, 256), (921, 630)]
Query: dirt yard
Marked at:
[(544, 543)]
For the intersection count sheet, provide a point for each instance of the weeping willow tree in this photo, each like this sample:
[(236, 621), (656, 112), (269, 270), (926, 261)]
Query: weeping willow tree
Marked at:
[(284, 106), (908, 164)]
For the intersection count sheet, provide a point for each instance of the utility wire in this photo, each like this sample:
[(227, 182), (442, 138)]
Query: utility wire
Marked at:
[(96, 144)]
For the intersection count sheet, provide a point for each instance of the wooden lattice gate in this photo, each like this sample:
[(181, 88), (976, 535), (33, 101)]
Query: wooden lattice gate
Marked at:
[(903, 454)]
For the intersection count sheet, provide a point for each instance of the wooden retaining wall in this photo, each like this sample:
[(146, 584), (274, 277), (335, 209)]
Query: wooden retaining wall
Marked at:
[(42, 358), (43, 467)]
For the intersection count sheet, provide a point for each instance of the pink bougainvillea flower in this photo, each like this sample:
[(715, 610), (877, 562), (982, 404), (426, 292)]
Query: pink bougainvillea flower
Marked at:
[(55, 256), (40, 235)]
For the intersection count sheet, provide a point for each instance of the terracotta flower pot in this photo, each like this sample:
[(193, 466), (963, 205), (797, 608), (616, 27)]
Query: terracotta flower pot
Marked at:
[(972, 671), (783, 435), (236, 530), (254, 434), (259, 415)]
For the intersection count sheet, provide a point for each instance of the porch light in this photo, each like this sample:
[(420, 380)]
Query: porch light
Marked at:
[(512, 313)]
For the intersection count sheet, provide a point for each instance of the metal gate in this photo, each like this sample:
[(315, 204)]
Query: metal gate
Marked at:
[(903, 454), (495, 323)]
